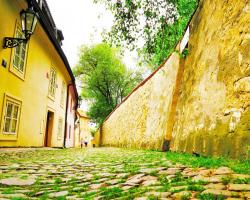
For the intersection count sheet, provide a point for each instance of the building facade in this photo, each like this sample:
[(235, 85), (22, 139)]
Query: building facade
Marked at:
[(71, 118), (83, 130), (36, 81)]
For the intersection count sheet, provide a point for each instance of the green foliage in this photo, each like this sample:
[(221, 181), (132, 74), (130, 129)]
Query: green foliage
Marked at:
[(104, 79), (58, 180), (178, 177), (242, 181), (111, 193), (18, 198), (24, 177), (131, 168), (156, 25), (209, 162), (210, 197), (96, 177), (154, 173), (164, 179), (184, 54), (89, 195), (226, 180), (195, 188), (152, 197), (61, 198), (9, 190), (186, 197), (116, 162)]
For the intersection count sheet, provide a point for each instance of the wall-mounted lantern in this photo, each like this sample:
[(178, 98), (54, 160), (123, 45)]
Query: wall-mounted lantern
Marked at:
[(29, 21)]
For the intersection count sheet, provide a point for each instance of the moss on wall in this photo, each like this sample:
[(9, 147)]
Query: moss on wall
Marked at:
[(141, 121), (212, 116)]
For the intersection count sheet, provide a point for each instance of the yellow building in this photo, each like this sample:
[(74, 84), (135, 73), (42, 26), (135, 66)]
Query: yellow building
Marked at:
[(34, 80), (82, 130)]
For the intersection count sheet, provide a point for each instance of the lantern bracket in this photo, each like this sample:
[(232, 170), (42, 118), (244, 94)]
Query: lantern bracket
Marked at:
[(29, 21), (10, 42)]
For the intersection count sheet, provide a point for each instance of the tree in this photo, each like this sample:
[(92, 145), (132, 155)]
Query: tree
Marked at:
[(152, 27), (104, 78)]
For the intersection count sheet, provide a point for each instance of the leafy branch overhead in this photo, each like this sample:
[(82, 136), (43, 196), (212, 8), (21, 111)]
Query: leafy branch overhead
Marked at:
[(104, 78), (152, 27)]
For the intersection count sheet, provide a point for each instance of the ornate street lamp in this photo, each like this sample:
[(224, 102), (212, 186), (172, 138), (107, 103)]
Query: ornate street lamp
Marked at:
[(29, 21)]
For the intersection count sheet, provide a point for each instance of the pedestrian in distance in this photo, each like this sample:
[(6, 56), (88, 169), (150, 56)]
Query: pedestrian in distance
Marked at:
[(81, 143), (86, 142)]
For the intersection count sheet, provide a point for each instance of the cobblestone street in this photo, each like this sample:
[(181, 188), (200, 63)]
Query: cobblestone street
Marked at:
[(112, 173)]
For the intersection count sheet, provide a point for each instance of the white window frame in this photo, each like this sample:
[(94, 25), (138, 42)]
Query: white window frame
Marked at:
[(60, 128), (63, 94), (14, 103), (16, 67), (52, 83), (21, 55)]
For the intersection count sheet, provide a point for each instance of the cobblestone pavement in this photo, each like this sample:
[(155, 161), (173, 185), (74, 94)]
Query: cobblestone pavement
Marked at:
[(112, 173)]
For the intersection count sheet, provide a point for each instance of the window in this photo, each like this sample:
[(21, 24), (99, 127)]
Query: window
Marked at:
[(60, 129), (63, 92), (52, 82), (11, 117), (19, 54)]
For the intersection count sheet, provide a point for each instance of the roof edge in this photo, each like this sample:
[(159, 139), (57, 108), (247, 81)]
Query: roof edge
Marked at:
[(82, 115), (138, 86), (49, 31)]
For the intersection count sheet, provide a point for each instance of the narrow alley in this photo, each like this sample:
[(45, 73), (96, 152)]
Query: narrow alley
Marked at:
[(114, 173)]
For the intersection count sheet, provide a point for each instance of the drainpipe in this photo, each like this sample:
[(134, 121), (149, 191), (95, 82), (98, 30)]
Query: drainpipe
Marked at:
[(66, 115), (100, 140)]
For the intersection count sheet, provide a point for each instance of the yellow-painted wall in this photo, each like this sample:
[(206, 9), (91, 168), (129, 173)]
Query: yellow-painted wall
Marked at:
[(32, 91), (141, 121), (82, 131)]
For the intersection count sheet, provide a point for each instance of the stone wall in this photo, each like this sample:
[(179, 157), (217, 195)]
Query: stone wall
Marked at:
[(213, 113), (141, 120), (202, 103)]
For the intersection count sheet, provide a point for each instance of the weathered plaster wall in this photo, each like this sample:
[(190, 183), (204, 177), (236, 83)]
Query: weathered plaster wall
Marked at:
[(200, 104), (213, 110), (141, 120)]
